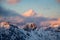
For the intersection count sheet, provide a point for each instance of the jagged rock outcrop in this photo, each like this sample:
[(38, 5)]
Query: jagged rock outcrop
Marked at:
[(30, 26)]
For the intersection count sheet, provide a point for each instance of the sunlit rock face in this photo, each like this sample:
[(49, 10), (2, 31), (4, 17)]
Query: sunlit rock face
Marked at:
[(52, 23), (30, 26), (5, 25), (55, 25)]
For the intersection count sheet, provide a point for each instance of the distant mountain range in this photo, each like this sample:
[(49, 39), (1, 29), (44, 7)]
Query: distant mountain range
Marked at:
[(29, 16)]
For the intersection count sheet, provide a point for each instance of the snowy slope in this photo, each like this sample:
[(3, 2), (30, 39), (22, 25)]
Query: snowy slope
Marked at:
[(14, 33)]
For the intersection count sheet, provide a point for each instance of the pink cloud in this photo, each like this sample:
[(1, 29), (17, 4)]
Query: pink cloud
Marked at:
[(58, 1), (13, 1)]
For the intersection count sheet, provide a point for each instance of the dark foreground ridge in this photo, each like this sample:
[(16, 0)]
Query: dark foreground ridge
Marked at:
[(11, 32)]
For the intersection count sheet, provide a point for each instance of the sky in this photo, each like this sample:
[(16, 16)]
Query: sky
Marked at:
[(47, 8)]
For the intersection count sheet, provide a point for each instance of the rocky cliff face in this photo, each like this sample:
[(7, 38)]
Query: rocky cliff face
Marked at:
[(30, 26)]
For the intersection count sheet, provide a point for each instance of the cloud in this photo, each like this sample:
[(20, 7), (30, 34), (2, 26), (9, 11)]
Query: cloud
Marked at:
[(13, 1)]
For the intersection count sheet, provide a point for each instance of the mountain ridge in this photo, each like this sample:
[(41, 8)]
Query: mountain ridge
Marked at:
[(29, 13)]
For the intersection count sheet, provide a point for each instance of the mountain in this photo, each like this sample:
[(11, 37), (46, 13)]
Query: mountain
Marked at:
[(32, 17), (29, 13), (51, 23), (30, 26), (6, 25), (15, 33), (29, 16), (11, 33)]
